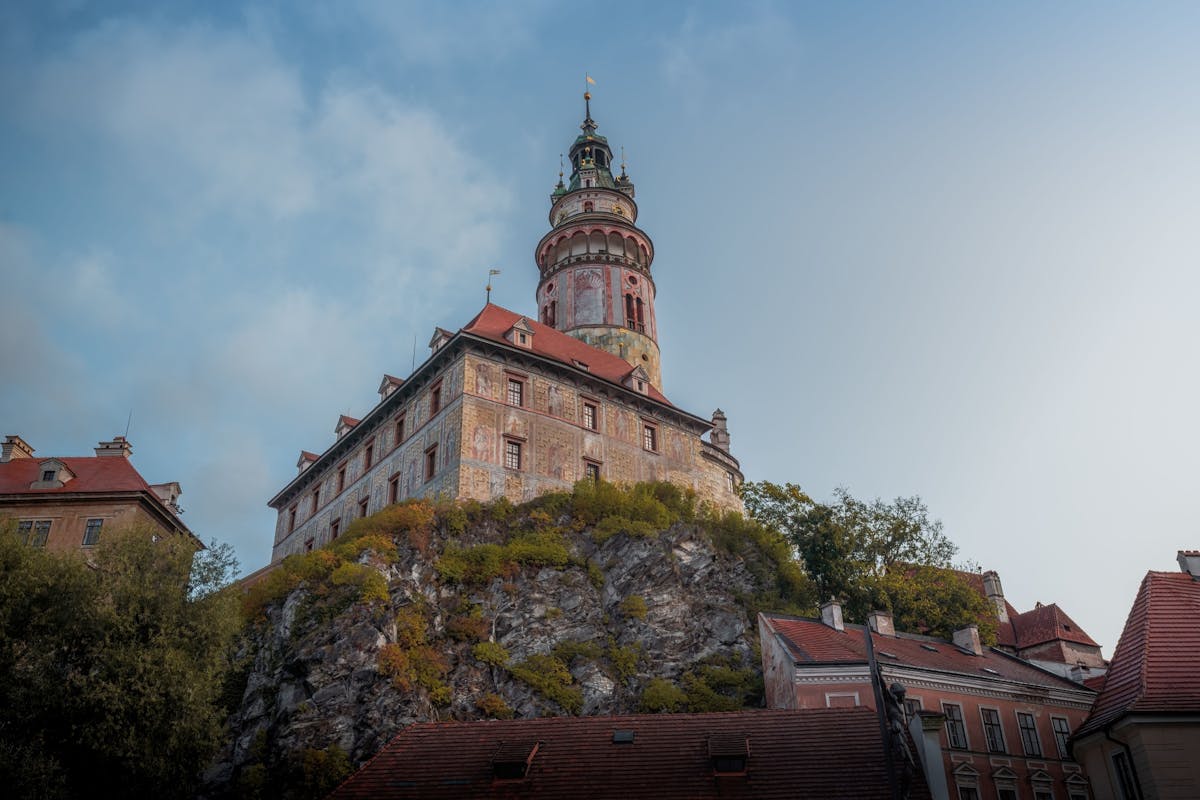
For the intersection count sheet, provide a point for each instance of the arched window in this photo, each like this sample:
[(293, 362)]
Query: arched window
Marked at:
[(641, 320), (629, 312), (552, 313), (589, 206)]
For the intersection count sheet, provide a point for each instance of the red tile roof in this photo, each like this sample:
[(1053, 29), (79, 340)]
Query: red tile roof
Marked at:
[(307, 456), (344, 420), (812, 641), (826, 753), (92, 474), (1156, 666), (1046, 624), (493, 322)]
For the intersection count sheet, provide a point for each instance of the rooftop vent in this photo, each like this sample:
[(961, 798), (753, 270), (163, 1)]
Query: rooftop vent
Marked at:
[(622, 737), (512, 759), (14, 447), (886, 654), (929, 647), (728, 753)]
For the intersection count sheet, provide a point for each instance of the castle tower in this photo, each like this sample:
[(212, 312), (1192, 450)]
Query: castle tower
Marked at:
[(595, 262)]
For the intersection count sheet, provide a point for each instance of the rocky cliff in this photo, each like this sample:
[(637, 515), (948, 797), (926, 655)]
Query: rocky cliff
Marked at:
[(597, 602)]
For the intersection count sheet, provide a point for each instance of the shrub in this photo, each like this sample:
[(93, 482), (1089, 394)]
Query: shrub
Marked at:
[(490, 653), (624, 659), (568, 651), (468, 625), (421, 665), (550, 677), (370, 583), (493, 705), (595, 575), (634, 607), (662, 697), (471, 565)]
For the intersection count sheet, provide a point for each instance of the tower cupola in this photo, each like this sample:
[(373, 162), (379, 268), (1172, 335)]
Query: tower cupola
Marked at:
[(595, 262)]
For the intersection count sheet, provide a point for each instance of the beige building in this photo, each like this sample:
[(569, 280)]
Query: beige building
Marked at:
[(514, 406), (1142, 738), (66, 503)]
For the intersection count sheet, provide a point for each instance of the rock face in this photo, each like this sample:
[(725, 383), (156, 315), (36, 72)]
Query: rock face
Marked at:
[(620, 613)]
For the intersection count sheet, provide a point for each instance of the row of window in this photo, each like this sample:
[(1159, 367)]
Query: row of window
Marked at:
[(34, 532), (993, 730), (1010, 793)]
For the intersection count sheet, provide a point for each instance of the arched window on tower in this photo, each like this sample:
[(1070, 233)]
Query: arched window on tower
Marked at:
[(641, 320), (552, 313), (629, 311), (589, 206)]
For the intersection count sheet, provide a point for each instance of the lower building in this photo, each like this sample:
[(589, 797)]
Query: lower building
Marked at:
[(1005, 723), (66, 503), (1142, 739), (828, 754)]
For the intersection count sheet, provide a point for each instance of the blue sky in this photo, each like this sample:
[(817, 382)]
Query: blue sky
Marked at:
[(935, 249)]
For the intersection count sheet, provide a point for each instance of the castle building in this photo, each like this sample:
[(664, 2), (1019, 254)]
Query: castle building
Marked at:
[(513, 406), (66, 503)]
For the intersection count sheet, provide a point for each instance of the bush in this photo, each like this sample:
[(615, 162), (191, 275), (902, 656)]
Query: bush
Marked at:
[(493, 705), (624, 659), (370, 583), (662, 697), (550, 677), (490, 653), (568, 651), (634, 607)]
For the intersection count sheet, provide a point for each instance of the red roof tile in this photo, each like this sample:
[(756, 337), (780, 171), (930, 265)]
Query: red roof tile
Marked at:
[(92, 474), (826, 753), (345, 420), (307, 456), (812, 641), (493, 322), (1156, 666), (1046, 624)]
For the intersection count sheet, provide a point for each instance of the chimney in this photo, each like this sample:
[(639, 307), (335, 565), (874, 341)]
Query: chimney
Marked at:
[(117, 447), (1189, 561), (968, 639), (720, 433), (831, 615), (995, 593), (881, 622), (14, 447)]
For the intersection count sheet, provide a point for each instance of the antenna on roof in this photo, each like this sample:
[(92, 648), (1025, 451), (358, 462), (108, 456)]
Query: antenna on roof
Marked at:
[(491, 272), (128, 420)]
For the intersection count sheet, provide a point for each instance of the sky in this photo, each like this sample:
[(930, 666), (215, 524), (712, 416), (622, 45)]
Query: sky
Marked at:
[(939, 249)]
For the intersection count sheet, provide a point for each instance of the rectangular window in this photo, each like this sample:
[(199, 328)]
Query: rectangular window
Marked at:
[(316, 499), (992, 730), (589, 416), (1125, 783), (308, 545), (34, 531), (516, 392), (394, 489), (911, 706), (91, 533), (591, 471), (48, 475), (362, 506), (335, 528), (1043, 794), (435, 399), (399, 430), (968, 793), (1062, 732), (650, 438), (1006, 794), (732, 482), (291, 519), (341, 479), (1029, 737), (512, 454), (430, 463), (956, 732), (368, 456)]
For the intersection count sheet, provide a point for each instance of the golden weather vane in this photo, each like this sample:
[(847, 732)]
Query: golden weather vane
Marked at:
[(491, 273)]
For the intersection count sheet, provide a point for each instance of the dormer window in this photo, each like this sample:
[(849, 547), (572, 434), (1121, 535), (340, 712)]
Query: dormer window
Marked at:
[(521, 334), (440, 337), (512, 760), (52, 474), (728, 753)]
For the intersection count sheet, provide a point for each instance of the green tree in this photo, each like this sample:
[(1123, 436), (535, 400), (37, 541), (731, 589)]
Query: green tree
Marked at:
[(110, 673), (874, 555)]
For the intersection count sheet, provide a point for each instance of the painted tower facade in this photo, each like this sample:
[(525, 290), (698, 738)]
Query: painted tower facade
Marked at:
[(595, 262)]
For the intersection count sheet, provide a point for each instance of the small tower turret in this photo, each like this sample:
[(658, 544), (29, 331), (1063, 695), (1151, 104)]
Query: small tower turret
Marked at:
[(595, 262)]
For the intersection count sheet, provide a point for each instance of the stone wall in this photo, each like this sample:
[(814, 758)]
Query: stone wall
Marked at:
[(68, 521)]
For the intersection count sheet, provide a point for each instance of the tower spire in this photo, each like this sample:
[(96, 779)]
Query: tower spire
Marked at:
[(589, 124)]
